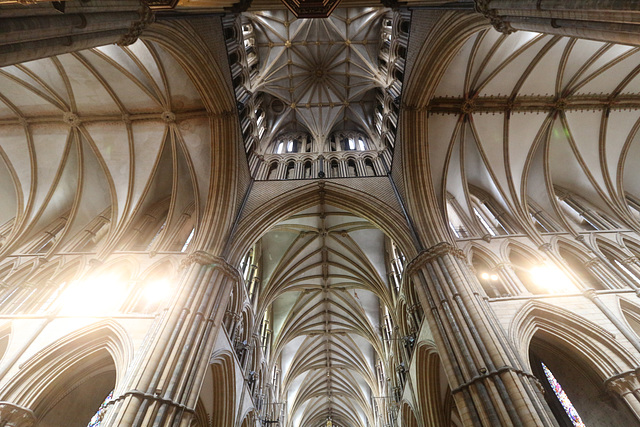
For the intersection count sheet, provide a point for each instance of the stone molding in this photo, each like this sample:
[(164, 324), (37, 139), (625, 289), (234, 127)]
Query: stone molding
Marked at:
[(483, 7), (147, 16), (432, 253), (624, 383), (205, 258)]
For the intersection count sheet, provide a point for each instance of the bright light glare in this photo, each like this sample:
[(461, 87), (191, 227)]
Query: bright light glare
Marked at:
[(157, 291), (494, 277), (94, 296), (551, 279), (485, 276)]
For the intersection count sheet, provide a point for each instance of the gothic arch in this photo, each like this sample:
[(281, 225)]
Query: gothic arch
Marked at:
[(408, 416), (99, 349), (430, 381), (224, 396), (594, 345), (255, 224), (249, 419)]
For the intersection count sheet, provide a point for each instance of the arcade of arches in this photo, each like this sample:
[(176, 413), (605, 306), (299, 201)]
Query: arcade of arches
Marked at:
[(421, 213)]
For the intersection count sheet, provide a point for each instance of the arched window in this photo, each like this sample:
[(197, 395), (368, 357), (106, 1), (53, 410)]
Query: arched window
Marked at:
[(335, 171), (307, 169), (489, 214), (572, 389), (368, 167), (618, 262), (273, 171), (522, 266), (351, 168), (291, 170), (455, 216), (488, 277), (396, 266)]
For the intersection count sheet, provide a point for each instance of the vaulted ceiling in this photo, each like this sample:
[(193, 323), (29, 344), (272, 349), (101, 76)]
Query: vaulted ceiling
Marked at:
[(323, 70), (325, 282), (517, 115), (107, 131)]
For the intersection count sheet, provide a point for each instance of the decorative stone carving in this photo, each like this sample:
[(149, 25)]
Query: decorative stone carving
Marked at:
[(432, 253), (483, 7), (71, 119), (205, 258), (147, 16), (624, 383), (16, 416)]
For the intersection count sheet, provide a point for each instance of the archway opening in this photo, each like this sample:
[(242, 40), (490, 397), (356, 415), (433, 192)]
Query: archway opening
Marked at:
[(73, 399), (572, 389)]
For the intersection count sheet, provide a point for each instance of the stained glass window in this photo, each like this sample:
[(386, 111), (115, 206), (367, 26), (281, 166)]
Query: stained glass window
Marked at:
[(97, 418), (562, 397)]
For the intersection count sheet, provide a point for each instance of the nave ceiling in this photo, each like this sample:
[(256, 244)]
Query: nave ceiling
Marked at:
[(325, 287), (520, 115)]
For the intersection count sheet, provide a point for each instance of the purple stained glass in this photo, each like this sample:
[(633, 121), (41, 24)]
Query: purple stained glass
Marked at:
[(97, 418), (562, 397)]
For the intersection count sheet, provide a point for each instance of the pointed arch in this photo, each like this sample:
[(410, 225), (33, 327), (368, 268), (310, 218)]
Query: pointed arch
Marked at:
[(101, 349), (432, 386), (381, 214), (592, 343), (224, 397)]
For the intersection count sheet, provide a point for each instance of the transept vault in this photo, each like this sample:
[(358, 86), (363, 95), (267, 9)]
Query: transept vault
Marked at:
[(219, 213)]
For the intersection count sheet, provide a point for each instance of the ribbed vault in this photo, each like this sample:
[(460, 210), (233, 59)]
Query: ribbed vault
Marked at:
[(111, 132), (523, 115), (323, 70), (324, 286)]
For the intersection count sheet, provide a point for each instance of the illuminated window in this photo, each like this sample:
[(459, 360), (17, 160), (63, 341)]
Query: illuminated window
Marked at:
[(186, 244), (562, 398), (96, 420)]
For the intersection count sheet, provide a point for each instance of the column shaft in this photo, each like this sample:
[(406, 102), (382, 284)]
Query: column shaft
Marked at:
[(489, 383), (163, 382)]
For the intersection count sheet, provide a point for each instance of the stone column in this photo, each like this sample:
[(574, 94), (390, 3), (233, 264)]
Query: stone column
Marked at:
[(15, 416), (162, 383), (627, 386), (490, 384), (39, 30), (615, 21)]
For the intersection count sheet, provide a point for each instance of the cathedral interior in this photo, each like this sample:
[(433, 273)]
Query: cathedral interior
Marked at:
[(219, 213)]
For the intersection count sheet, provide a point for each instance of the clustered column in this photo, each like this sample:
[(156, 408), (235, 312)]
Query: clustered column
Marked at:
[(488, 380), (615, 21), (162, 385)]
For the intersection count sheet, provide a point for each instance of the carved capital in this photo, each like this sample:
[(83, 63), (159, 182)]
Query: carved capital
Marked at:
[(16, 416), (545, 247), (624, 383), (592, 262), (484, 7), (205, 258), (147, 16), (432, 253)]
